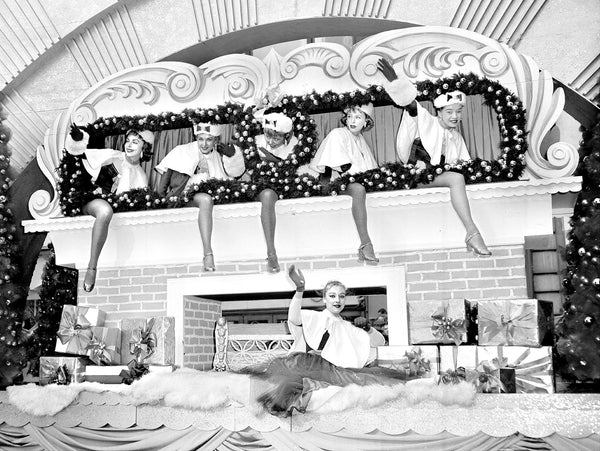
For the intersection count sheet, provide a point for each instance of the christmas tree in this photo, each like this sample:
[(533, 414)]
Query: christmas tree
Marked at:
[(579, 329), (59, 287), (12, 296)]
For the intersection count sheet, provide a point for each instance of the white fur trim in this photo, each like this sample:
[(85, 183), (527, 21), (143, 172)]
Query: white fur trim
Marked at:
[(277, 122), (147, 136), (450, 98), (198, 390), (77, 147), (207, 128), (401, 90)]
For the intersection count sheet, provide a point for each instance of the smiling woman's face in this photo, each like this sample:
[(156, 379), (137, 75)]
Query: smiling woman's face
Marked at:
[(206, 142), (134, 146), (450, 115), (335, 299)]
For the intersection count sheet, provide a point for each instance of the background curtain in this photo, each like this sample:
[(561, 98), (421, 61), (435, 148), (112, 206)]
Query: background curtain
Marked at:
[(79, 438), (479, 128)]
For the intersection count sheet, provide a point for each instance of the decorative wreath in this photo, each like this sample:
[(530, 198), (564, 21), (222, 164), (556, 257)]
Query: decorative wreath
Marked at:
[(76, 188)]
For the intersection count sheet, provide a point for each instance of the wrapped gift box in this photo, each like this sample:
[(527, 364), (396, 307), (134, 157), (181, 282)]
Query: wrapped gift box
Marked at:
[(149, 340), (523, 322), (74, 331), (532, 367), (414, 361), (104, 347), (458, 363), (61, 370), (105, 374), (437, 322)]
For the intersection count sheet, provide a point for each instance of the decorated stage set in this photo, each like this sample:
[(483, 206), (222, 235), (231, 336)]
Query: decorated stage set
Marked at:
[(150, 281)]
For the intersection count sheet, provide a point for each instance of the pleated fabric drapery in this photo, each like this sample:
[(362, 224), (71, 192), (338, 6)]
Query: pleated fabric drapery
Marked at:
[(80, 438)]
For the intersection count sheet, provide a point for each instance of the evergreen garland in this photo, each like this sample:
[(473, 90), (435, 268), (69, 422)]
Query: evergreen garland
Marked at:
[(579, 328), (12, 296), (75, 189)]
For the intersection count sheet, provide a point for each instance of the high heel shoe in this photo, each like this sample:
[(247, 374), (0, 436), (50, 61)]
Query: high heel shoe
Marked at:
[(369, 256), (272, 263), (87, 285), (209, 262), (475, 244)]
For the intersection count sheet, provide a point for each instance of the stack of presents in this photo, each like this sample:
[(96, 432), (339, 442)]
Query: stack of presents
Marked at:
[(500, 346), (108, 354)]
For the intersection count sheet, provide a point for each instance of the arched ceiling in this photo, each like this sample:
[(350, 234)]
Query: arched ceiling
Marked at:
[(51, 52), (246, 40)]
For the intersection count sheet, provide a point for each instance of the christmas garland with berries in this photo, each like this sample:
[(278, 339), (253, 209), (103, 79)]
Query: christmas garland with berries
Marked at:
[(75, 188)]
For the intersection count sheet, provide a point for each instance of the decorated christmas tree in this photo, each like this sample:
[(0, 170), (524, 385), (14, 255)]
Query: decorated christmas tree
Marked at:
[(59, 287), (579, 329), (12, 296)]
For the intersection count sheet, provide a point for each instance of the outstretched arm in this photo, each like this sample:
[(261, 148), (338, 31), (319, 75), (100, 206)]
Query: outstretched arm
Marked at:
[(398, 86), (294, 315)]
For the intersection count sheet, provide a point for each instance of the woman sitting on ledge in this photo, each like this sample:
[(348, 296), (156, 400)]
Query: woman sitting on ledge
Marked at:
[(437, 142), (345, 149), (196, 162), (127, 174), (275, 145), (327, 350)]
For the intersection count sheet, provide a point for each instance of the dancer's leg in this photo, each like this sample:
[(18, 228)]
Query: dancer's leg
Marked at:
[(359, 213), (205, 203), (103, 213), (460, 203), (267, 198)]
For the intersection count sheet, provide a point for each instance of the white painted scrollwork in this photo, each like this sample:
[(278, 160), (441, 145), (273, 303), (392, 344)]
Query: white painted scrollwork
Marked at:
[(138, 90), (244, 77), (543, 106), (333, 58), (41, 203)]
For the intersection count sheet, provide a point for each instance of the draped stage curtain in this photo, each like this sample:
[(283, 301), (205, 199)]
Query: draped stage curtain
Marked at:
[(79, 438), (479, 128)]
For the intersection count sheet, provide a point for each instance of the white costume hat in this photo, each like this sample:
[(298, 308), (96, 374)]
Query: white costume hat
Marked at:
[(146, 135), (277, 122), (209, 129), (367, 108), (450, 98)]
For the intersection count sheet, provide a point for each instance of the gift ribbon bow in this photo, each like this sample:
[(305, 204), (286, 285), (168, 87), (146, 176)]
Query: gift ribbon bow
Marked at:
[(445, 327), (453, 376), (140, 337), (74, 331), (134, 371), (515, 322), (57, 374), (416, 364), (489, 377), (529, 376), (100, 352)]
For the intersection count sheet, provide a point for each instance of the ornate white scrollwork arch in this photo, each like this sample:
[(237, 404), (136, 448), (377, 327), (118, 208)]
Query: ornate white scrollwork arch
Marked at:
[(422, 52), (434, 52)]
